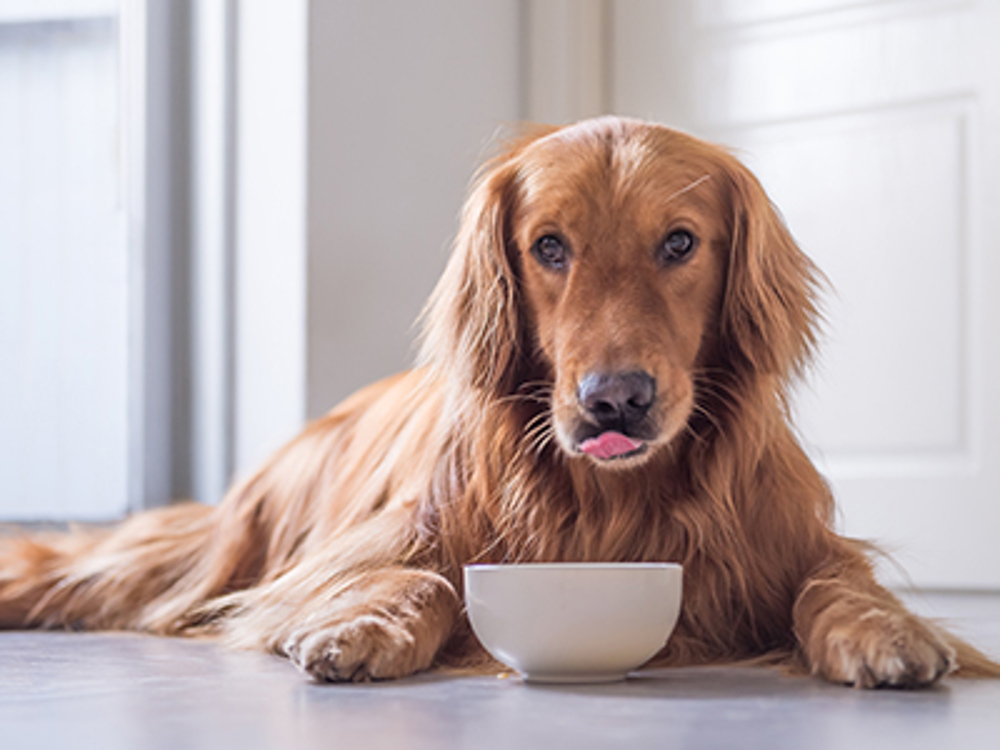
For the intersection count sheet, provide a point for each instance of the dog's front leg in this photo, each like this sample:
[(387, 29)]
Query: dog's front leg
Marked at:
[(853, 631), (389, 623)]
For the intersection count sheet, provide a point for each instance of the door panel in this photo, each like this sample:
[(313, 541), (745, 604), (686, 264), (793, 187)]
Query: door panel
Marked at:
[(873, 127), (63, 274)]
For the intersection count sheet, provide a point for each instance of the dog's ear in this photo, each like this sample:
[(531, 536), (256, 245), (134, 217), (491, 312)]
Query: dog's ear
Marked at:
[(769, 313), (471, 325)]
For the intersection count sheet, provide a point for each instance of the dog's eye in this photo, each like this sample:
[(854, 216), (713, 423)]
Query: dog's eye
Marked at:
[(678, 245), (550, 252)]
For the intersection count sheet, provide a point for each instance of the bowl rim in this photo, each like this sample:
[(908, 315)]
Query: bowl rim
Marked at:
[(574, 566)]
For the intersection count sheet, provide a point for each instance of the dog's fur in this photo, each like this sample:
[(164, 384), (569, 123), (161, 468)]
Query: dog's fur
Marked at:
[(344, 552)]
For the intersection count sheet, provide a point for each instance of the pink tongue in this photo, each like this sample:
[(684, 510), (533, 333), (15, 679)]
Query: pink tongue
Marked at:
[(609, 445)]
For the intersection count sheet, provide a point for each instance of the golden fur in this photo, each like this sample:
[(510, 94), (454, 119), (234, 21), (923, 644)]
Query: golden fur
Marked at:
[(344, 552)]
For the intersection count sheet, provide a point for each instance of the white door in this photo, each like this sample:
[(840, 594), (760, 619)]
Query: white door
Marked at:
[(63, 265), (875, 127), (85, 258)]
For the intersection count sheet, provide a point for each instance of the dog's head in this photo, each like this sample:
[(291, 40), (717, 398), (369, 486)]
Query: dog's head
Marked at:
[(631, 266)]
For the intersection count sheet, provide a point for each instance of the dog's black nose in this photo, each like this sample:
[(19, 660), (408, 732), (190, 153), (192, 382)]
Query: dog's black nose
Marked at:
[(617, 401)]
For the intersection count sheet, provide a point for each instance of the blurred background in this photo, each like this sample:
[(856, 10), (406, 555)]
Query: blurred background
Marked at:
[(220, 217)]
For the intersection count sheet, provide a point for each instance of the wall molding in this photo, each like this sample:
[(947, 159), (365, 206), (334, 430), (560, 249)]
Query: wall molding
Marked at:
[(213, 175)]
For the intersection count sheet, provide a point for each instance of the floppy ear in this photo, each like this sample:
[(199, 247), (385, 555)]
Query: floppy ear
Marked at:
[(472, 320), (769, 313)]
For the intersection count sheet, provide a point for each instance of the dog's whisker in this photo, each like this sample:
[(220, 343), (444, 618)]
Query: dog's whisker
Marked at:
[(720, 391), (522, 398), (536, 384), (537, 443), (688, 188), (540, 420), (539, 392), (707, 415)]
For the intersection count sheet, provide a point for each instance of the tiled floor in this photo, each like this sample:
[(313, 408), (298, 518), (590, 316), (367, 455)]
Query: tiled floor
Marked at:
[(110, 691)]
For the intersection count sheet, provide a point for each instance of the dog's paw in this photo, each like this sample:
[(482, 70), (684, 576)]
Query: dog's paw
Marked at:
[(883, 648), (369, 647)]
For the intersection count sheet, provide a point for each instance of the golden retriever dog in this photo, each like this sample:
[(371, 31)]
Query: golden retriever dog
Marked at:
[(603, 376)]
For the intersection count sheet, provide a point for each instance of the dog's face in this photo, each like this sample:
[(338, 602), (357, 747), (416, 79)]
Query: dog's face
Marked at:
[(622, 248), (643, 271)]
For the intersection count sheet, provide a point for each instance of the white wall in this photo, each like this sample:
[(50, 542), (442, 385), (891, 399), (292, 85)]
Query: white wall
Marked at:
[(357, 127), (404, 98)]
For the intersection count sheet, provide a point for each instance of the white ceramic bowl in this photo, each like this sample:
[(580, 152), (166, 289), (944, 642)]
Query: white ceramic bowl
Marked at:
[(573, 622)]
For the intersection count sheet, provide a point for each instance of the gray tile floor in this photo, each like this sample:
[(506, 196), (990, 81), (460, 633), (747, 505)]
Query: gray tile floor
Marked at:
[(113, 691)]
